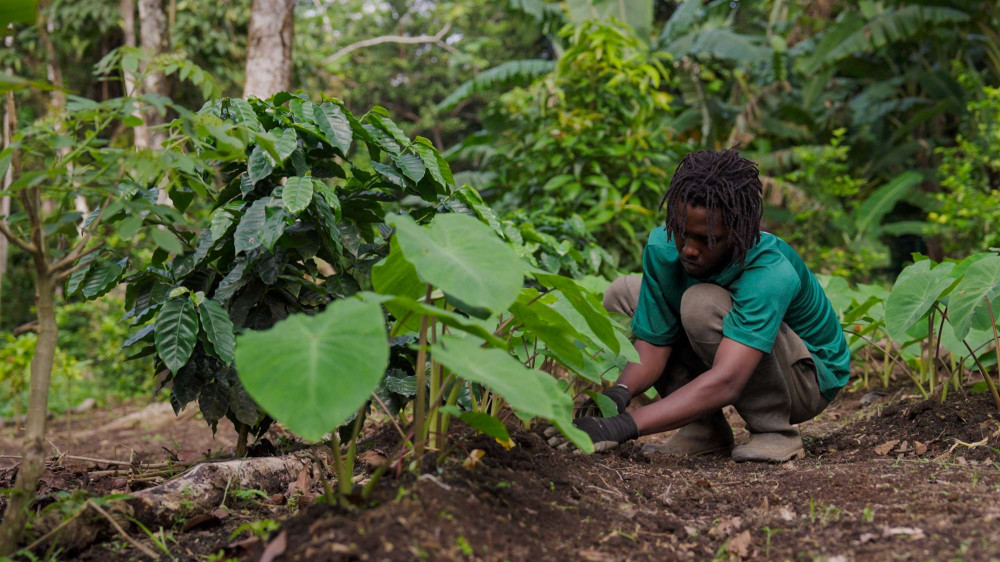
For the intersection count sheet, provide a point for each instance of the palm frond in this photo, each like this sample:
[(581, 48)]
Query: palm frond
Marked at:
[(510, 72)]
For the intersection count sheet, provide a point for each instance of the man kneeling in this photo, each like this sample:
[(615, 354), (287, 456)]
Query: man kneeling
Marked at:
[(723, 314)]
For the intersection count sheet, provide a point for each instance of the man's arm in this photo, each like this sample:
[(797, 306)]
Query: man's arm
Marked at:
[(638, 377), (708, 392)]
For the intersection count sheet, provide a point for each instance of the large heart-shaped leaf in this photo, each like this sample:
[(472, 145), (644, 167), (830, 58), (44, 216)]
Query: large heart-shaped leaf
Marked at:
[(540, 319), (219, 329), (527, 391), (312, 372), (176, 332), (297, 194), (462, 257), (589, 309), (967, 304), (913, 296), (335, 126)]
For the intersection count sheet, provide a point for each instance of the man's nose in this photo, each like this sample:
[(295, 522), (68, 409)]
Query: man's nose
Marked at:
[(690, 250)]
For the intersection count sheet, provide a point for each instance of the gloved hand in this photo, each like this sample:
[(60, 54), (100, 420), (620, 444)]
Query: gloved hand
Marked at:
[(618, 394), (606, 433)]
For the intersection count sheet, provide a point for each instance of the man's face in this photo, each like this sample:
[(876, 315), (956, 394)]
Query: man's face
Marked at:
[(697, 259)]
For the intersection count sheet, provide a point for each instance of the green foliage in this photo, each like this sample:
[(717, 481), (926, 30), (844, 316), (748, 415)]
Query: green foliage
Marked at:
[(969, 211), (585, 139)]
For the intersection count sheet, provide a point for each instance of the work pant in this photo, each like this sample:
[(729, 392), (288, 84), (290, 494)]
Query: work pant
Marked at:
[(783, 389)]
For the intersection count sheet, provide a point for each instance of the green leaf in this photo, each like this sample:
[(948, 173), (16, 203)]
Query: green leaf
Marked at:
[(274, 225), (539, 319), (247, 235), (462, 257), (166, 240), (483, 423), (219, 329), (608, 407), (297, 194), (527, 391), (591, 311), (259, 166), (389, 173), (245, 115), (76, 278), (967, 303), (870, 213), (329, 365), (414, 309), (428, 155), (335, 126), (504, 74), (176, 332), (222, 219), (286, 144), (411, 165), (23, 11), (396, 276), (913, 295), (102, 277)]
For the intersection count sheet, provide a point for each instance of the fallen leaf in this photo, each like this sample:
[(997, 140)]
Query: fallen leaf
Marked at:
[(913, 532), (884, 448), (275, 548), (903, 447), (508, 444), (727, 527), (868, 537), (302, 483), (691, 531), (919, 447), (837, 558), (220, 512), (372, 459), (786, 513), (703, 484), (473, 459), (739, 545)]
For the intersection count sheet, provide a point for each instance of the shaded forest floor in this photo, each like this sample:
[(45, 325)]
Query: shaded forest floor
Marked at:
[(893, 478)]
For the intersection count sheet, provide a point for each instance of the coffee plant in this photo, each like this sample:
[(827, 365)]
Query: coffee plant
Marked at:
[(296, 223)]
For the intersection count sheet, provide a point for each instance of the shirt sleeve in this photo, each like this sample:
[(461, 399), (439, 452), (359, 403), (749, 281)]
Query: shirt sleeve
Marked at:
[(761, 297), (654, 321)]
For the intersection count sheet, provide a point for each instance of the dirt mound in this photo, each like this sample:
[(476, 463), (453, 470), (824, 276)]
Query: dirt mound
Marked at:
[(967, 427)]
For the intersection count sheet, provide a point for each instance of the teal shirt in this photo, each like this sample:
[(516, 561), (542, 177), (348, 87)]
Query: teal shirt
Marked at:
[(773, 286)]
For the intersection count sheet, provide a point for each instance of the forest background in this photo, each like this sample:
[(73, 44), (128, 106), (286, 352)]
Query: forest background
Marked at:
[(876, 125)]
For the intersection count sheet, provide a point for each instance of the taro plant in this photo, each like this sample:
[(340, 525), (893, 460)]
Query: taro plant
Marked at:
[(482, 340), (295, 225), (931, 307)]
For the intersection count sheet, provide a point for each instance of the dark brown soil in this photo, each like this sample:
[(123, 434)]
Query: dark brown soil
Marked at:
[(893, 479)]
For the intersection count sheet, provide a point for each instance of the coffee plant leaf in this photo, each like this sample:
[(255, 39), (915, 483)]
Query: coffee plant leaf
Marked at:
[(411, 165), (298, 193), (176, 332), (258, 166), (219, 329), (247, 235), (311, 373), (336, 128)]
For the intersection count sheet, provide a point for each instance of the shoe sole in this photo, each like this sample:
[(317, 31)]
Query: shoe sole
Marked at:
[(798, 454)]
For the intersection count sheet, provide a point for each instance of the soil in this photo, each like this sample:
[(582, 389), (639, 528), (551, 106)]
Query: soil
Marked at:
[(895, 477)]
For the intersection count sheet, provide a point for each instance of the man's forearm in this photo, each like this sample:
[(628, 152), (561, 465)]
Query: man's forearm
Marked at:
[(707, 393)]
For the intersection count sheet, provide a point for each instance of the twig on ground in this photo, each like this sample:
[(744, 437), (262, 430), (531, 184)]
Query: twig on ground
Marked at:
[(144, 549), (434, 479)]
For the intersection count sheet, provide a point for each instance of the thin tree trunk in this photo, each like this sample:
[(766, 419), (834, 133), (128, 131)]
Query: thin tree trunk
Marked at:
[(33, 454), (8, 178), (155, 39), (269, 48), (128, 31)]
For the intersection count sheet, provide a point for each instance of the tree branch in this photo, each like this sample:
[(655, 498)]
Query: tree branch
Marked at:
[(24, 245), (62, 274), (436, 39)]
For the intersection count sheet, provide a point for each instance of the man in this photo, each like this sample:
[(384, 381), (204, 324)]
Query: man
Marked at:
[(723, 314)]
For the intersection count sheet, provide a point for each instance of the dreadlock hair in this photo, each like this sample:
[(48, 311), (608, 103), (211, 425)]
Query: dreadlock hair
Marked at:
[(717, 180)]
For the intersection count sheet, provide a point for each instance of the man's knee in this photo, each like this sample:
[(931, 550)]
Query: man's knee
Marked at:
[(703, 306), (622, 296)]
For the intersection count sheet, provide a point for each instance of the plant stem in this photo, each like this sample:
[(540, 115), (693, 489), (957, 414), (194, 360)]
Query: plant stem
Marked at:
[(338, 465), (419, 408), (241, 441), (906, 369), (352, 447), (996, 348), (930, 368)]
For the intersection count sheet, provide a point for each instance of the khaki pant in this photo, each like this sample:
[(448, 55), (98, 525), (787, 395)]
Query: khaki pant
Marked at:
[(782, 390)]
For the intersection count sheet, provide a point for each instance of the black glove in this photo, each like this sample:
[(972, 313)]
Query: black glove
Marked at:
[(618, 394), (606, 433)]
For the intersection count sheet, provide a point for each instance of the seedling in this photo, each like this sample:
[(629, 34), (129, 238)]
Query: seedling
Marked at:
[(768, 533)]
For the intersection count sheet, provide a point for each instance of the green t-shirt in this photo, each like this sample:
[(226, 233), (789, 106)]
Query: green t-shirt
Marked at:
[(773, 286)]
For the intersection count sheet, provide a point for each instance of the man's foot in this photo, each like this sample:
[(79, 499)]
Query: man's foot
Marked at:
[(770, 447), (701, 437)]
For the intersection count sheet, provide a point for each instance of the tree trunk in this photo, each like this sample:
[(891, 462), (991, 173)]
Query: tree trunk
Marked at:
[(33, 455), (269, 48), (154, 40), (131, 88), (8, 178)]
